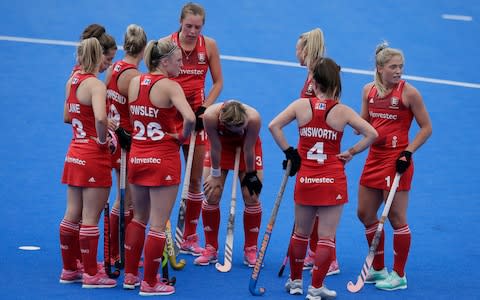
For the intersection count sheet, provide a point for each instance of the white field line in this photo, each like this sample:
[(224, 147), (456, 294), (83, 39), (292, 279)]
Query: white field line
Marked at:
[(258, 61), (457, 17)]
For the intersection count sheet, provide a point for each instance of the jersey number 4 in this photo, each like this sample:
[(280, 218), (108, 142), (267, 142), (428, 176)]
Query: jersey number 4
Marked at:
[(316, 153)]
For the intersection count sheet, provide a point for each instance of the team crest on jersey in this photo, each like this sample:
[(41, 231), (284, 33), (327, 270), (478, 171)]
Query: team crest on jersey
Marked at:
[(146, 81), (75, 80), (394, 101), (320, 106), (117, 68), (370, 101), (201, 57), (309, 89)]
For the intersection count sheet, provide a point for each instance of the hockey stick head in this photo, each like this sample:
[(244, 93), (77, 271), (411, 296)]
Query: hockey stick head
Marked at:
[(224, 268), (254, 290), (354, 288), (177, 265)]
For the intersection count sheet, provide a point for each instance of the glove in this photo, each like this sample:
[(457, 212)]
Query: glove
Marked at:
[(292, 155), (124, 138), (402, 165), (252, 182), (199, 120)]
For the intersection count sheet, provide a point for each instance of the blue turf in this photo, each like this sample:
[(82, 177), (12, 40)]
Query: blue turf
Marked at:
[(444, 207)]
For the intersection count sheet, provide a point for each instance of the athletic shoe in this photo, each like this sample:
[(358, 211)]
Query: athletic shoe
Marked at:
[(190, 246), (130, 281), (159, 289), (322, 293), (309, 260), (294, 287), (99, 280), (209, 256), (68, 276), (392, 282), (374, 275), (334, 268), (250, 256), (79, 265)]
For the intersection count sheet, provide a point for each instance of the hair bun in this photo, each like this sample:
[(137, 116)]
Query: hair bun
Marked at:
[(381, 46)]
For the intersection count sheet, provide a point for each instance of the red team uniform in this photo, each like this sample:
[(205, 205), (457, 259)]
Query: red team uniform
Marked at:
[(307, 90), (154, 155), (86, 165), (192, 78), (392, 120), (321, 180), (230, 141), (117, 104)]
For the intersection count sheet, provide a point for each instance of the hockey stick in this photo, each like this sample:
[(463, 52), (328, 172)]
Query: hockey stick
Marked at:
[(121, 221), (171, 251), (285, 259), (164, 264), (353, 288), (228, 256), (106, 243), (186, 186), (266, 237)]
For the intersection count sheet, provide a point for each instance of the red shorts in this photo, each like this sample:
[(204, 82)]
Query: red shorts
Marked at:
[(379, 171), (227, 160), (86, 165), (321, 186), (155, 166)]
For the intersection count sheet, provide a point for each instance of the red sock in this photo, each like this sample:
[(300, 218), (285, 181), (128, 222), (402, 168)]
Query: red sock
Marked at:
[(379, 259), (192, 213), (401, 247), (134, 239), (88, 246), (298, 249), (334, 255), (114, 220), (323, 258), (69, 232), (252, 218), (153, 255), (78, 253), (314, 236), (211, 222)]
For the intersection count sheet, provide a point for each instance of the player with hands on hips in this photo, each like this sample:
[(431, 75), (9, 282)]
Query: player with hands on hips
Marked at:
[(321, 183), (87, 170), (390, 104), (229, 125), (154, 167), (200, 55)]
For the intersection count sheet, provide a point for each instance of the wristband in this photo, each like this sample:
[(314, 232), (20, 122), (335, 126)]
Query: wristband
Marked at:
[(215, 172)]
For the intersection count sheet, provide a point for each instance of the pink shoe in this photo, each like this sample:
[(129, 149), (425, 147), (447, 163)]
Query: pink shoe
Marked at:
[(68, 276), (209, 256), (130, 282), (250, 256), (99, 280), (309, 260), (334, 268), (190, 246), (159, 289)]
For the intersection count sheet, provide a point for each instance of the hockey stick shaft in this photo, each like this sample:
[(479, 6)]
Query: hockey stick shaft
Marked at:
[(106, 243), (171, 251), (376, 239), (185, 188), (121, 221), (287, 255), (266, 237), (228, 256)]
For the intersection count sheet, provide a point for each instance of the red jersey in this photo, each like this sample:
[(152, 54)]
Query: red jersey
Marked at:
[(154, 155), (117, 102), (86, 165), (321, 180), (195, 67), (307, 90), (392, 120)]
